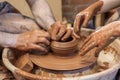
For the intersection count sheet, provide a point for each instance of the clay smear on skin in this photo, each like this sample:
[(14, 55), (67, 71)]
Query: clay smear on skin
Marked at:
[(97, 68)]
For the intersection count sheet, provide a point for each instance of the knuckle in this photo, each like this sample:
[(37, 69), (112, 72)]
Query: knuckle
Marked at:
[(69, 29), (35, 31), (47, 34), (64, 26), (63, 30), (78, 15), (43, 40)]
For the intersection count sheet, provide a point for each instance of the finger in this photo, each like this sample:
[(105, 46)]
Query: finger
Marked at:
[(50, 33), (76, 36), (45, 34), (85, 42), (98, 51), (67, 35), (86, 20), (99, 48), (77, 24), (45, 46), (50, 30), (41, 33), (54, 33), (102, 46), (42, 40), (87, 49), (89, 43), (37, 47), (61, 32)]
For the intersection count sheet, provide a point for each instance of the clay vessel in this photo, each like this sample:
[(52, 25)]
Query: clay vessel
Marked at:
[(64, 48)]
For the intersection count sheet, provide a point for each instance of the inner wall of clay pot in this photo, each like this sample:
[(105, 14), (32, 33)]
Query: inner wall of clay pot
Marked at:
[(109, 56), (107, 63), (68, 40), (64, 48)]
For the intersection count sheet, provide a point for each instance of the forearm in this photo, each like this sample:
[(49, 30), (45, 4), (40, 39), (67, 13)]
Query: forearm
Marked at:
[(102, 6), (16, 23), (41, 12), (112, 29), (108, 5), (7, 39)]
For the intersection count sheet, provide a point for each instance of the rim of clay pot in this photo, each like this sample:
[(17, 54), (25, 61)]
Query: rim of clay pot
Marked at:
[(14, 69), (72, 43), (99, 74)]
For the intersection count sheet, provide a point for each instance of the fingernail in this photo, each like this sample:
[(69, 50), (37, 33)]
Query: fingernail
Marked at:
[(45, 50), (65, 39), (48, 43), (54, 38), (76, 35), (81, 54)]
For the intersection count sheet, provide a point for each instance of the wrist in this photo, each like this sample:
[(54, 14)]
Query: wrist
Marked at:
[(96, 7), (50, 25)]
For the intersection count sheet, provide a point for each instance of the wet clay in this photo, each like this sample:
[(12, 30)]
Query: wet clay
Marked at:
[(96, 68), (56, 62), (63, 63), (108, 58), (65, 48), (24, 62)]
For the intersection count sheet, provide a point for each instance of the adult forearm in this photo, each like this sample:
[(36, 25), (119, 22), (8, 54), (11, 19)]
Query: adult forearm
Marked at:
[(113, 29), (16, 23), (41, 12), (102, 6), (108, 5), (7, 39)]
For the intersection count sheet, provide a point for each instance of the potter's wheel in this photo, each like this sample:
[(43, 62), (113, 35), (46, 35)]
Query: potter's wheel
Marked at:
[(53, 62), (72, 62)]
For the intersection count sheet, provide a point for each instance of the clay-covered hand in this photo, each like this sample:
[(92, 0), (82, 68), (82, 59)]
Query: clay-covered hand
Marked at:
[(83, 17), (101, 38), (30, 40), (59, 31)]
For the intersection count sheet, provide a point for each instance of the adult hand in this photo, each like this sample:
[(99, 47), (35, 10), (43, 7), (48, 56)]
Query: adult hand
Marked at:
[(59, 31), (30, 40), (83, 17), (101, 38)]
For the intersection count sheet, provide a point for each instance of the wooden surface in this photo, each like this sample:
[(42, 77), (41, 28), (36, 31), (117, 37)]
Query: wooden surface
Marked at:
[(24, 62)]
